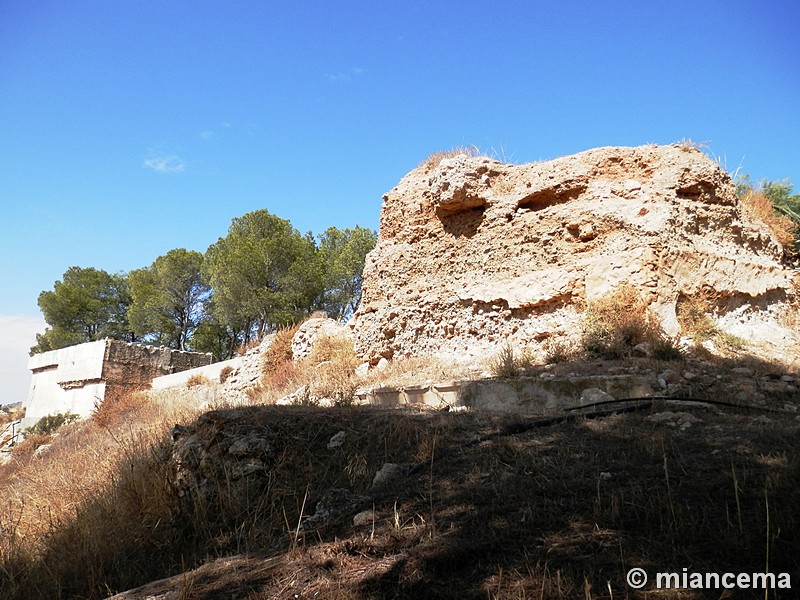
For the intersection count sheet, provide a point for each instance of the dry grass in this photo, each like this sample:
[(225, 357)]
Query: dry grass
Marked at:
[(695, 317), (552, 512), (197, 380), (75, 515), (559, 351), (277, 366), (332, 363), (415, 370), (509, 363), (328, 371), (278, 370), (614, 325), (687, 144), (760, 208), (433, 160), (225, 373)]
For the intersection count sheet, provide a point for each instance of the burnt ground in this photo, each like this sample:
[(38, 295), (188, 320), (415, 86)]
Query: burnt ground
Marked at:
[(492, 505)]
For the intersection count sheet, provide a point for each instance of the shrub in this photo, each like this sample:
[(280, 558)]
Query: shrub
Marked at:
[(49, 423), (614, 325), (197, 380), (225, 373)]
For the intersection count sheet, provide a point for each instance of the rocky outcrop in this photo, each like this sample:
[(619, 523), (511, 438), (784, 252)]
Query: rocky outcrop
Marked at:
[(312, 330), (473, 252)]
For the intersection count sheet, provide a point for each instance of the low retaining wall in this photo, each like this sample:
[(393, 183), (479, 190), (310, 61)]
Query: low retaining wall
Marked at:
[(529, 395), (210, 372)]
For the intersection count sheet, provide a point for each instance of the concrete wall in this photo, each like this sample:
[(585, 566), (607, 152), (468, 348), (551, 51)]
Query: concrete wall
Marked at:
[(68, 380), (78, 378), (524, 395), (210, 372)]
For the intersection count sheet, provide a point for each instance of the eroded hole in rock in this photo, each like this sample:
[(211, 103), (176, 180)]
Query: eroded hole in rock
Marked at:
[(460, 202), (464, 223), (701, 191), (551, 196)]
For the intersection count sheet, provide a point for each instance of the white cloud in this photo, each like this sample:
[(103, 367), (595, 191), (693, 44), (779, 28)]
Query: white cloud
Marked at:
[(346, 76), (165, 164), (17, 335), (207, 135)]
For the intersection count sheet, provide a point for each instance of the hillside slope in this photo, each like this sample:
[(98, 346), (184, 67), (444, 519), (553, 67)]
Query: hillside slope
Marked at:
[(259, 502)]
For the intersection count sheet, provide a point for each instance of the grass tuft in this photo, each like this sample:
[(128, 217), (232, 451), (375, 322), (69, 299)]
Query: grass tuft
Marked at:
[(614, 325), (197, 381), (508, 363), (433, 160), (225, 373)]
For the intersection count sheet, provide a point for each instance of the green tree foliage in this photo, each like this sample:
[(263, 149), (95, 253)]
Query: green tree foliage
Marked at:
[(167, 299), (342, 254), (780, 194), (49, 423), (86, 305), (215, 337), (264, 274)]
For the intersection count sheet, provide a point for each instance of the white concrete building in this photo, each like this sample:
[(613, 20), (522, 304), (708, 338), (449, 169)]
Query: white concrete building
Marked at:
[(78, 378)]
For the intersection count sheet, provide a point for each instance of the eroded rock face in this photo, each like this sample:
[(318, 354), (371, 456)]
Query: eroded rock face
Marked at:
[(473, 252)]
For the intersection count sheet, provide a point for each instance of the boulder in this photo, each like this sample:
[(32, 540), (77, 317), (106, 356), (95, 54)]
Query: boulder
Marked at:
[(474, 253), (311, 331)]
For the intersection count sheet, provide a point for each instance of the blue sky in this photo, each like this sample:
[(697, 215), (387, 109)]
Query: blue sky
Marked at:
[(133, 127)]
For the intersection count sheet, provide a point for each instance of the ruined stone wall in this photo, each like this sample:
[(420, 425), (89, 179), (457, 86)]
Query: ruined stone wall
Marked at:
[(128, 367), (473, 253)]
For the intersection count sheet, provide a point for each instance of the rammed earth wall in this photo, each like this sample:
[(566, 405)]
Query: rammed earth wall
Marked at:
[(474, 254)]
